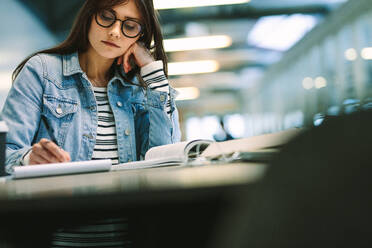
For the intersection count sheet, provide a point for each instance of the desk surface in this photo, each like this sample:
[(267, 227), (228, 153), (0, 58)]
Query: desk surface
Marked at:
[(165, 205), (128, 183)]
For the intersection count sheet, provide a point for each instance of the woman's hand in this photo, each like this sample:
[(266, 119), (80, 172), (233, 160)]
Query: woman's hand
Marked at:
[(140, 54), (46, 152)]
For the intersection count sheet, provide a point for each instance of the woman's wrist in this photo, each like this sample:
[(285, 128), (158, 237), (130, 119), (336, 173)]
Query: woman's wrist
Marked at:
[(146, 62), (151, 67)]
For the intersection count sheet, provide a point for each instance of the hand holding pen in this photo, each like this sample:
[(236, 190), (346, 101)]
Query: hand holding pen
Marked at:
[(47, 151)]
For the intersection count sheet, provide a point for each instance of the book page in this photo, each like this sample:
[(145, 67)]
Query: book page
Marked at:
[(195, 148), (166, 155), (40, 170), (250, 144), (172, 151)]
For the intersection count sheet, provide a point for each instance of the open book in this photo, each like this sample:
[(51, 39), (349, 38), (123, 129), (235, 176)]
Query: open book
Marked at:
[(168, 155)]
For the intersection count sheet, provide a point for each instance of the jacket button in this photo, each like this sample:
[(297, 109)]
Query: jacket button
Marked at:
[(162, 98), (127, 132), (59, 110), (119, 104)]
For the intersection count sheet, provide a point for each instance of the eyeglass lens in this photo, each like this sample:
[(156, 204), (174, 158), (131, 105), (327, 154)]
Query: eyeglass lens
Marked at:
[(130, 28)]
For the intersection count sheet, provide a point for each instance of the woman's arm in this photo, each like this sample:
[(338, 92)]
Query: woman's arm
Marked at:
[(157, 124), (154, 77), (21, 112)]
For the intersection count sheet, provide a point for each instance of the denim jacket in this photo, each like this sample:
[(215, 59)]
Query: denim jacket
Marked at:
[(55, 86)]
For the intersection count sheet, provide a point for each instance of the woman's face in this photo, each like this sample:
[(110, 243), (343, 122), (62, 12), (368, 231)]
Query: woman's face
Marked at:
[(111, 42)]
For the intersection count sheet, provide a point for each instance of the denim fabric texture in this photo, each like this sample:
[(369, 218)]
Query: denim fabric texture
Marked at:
[(55, 86)]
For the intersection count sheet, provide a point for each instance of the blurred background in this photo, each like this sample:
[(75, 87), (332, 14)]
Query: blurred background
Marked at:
[(242, 67)]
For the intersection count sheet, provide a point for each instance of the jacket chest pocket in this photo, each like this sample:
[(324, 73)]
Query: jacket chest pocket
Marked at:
[(59, 108), (59, 113)]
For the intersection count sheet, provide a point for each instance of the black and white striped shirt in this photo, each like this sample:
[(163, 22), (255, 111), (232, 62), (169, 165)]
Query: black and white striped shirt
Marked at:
[(106, 146)]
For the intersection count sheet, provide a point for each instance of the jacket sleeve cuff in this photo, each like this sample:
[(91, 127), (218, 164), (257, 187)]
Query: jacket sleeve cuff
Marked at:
[(154, 76), (15, 158), (26, 158)]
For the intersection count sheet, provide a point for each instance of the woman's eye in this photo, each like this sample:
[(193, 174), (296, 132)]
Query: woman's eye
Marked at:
[(107, 16), (129, 27)]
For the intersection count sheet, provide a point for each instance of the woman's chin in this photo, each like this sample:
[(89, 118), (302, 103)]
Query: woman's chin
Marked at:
[(108, 53), (109, 56)]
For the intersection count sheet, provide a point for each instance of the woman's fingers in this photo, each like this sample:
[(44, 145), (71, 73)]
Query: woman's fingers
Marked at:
[(55, 150), (120, 60), (126, 58), (36, 159), (39, 153)]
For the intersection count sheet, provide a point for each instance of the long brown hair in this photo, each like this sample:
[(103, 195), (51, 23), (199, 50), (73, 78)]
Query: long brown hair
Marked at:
[(77, 41)]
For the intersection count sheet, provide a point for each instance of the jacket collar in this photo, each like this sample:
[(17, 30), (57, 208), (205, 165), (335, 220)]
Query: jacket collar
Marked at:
[(117, 76), (71, 64)]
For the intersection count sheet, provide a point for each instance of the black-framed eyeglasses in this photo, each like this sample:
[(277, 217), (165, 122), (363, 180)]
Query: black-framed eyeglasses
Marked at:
[(129, 27)]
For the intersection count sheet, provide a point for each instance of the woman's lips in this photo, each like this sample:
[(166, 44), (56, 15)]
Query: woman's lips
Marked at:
[(110, 44)]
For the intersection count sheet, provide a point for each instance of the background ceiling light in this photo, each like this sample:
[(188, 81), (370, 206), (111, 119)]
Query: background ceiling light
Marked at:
[(173, 4), (197, 43), (193, 67), (187, 93)]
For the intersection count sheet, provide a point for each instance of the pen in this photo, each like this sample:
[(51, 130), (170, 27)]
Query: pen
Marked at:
[(51, 135)]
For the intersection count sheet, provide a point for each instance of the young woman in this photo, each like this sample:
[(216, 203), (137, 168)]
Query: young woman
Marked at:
[(102, 93)]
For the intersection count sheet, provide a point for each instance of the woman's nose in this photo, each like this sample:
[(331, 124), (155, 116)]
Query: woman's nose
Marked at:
[(115, 30)]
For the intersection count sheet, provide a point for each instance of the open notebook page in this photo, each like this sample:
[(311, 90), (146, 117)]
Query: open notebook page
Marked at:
[(61, 168)]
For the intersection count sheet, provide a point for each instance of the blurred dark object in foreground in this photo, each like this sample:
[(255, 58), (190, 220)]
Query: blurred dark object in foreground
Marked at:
[(316, 193)]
